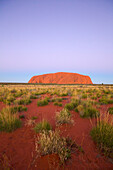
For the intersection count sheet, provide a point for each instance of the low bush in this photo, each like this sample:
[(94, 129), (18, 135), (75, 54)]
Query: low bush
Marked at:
[(51, 142), (69, 106), (56, 100), (63, 116), (10, 99), (110, 110), (34, 117), (102, 134), (8, 120), (42, 102), (23, 101), (33, 97), (73, 104), (105, 100), (18, 109), (90, 112), (110, 101), (22, 116), (47, 98), (94, 97), (84, 96), (18, 94), (57, 104), (87, 111), (64, 94), (80, 109), (44, 125)]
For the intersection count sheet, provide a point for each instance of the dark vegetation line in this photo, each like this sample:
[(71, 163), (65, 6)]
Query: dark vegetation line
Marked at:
[(9, 83)]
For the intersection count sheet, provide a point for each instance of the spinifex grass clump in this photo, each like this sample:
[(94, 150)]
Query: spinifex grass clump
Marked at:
[(23, 101), (15, 109), (105, 100), (69, 106), (56, 100), (57, 104), (63, 116), (84, 96), (86, 112), (9, 99), (8, 120), (110, 110), (73, 104), (51, 142), (44, 125), (33, 97), (86, 109), (42, 102), (18, 109), (34, 117), (102, 134)]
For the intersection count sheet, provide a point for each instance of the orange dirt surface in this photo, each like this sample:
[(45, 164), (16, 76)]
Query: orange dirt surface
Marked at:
[(61, 78), (17, 149)]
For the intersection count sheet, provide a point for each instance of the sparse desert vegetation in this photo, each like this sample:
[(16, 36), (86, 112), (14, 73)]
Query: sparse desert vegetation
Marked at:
[(9, 120), (65, 121), (102, 134)]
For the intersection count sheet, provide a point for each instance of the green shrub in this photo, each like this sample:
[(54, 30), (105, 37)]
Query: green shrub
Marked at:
[(44, 125), (13, 91), (80, 110), (110, 110), (98, 95), (105, 101), (76, 110), (102, 134), (47, 98), (69, 106), (87, 111), (42, 102), (57, 100), (33, 97), (93, 97), (22, 116), (51, 142), (75, 102), (18, 94), (10, 98), (90, 112), (63, 116), (8, 120), (64, 94), (34, 117), (110, 101), (84, 96), (18, 109), (23, 101), (58, 104)]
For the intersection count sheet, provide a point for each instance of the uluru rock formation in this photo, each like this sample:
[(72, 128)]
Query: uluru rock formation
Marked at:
[(61, 78)]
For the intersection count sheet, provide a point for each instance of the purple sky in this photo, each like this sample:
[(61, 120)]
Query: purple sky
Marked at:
[(45, 36)]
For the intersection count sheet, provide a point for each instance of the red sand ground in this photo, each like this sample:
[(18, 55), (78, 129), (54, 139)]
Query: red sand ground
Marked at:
[(18, 147), (61, 78)]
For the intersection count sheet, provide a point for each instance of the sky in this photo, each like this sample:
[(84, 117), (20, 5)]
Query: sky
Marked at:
[(48, 36)]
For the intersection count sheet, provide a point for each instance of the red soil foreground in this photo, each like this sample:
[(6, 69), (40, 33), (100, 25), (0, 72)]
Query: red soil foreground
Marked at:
[(61, 78), (18, 148)]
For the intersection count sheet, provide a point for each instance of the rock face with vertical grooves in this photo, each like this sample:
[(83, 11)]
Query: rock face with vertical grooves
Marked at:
[(61, 78)]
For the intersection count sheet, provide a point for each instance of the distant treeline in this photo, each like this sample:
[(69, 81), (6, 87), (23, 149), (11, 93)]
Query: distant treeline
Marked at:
[(9, 83)]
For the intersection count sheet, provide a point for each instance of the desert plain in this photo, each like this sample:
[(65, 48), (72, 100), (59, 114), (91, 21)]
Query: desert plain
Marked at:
[(71, 112)]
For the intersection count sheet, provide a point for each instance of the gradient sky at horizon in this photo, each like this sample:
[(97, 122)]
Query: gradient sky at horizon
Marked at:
[(47, 36)]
